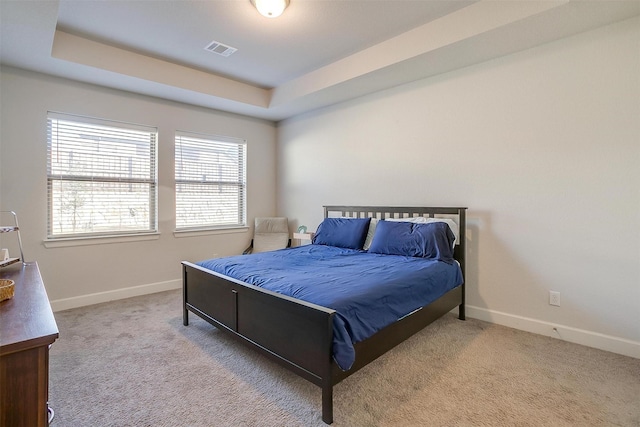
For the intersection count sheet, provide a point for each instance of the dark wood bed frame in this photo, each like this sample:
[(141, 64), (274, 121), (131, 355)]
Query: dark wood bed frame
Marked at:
[(298, 334)]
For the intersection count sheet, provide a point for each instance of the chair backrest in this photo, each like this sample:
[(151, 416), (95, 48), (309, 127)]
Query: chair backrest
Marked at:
[(270, 234)]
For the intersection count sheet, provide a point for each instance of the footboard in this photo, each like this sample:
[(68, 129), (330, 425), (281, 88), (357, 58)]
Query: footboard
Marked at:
[(294, 333)]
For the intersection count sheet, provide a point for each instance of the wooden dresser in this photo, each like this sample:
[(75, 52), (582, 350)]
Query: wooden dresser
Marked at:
[(27, 329)]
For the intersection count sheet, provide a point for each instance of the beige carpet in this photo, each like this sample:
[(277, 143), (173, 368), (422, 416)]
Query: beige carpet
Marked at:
[(132, 363)]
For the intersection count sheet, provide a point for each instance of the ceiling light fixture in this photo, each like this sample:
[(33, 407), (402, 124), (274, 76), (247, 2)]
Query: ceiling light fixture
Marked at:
[(270, 8)]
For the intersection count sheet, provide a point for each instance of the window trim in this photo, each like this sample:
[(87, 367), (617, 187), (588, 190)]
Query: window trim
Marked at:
[(209, 231), (65, 242), (204, 229), (110, 236)]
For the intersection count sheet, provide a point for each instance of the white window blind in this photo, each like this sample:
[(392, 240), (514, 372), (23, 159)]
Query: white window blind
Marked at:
[(210, 181), (101, 177)]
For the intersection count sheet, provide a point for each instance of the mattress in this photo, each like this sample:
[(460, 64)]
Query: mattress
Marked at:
[(368, 291)]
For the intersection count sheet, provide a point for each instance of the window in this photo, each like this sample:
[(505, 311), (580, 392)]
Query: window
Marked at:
[(210, 181), (101, 177)]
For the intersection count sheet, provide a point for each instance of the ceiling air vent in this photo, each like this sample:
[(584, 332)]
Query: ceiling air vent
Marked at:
[(220, 49)]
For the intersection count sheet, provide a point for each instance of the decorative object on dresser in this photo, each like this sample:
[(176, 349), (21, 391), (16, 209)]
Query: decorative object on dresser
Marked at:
[(7, 289), (305, 336), (5, 259), (27, 329)]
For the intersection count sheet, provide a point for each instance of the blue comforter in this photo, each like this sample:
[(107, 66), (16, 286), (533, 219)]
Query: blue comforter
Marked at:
[(368, 291)]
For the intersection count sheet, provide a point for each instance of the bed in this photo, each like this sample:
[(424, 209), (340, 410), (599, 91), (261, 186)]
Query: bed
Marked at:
[(303, 307)]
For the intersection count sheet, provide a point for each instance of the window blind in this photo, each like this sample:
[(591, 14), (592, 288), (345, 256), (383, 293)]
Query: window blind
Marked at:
[(210, 174), (101, 177)]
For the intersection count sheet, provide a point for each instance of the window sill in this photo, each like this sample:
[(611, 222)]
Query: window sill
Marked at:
[(208, 231), (98, 240)]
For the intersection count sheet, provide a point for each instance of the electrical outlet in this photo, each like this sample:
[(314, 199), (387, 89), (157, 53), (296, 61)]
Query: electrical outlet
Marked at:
[(554, 298)]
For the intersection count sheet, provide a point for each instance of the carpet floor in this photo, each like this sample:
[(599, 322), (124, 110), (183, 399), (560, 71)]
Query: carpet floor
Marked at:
[(132, 363)]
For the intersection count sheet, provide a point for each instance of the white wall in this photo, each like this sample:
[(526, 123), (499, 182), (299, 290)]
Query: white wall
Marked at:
[(543, 146), (80, 275)]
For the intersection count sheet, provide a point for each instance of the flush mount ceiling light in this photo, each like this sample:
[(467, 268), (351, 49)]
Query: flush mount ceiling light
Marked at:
[(270, 8)]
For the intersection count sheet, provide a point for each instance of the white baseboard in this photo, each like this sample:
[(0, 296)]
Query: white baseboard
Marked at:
[(97, 298), (566, 333)]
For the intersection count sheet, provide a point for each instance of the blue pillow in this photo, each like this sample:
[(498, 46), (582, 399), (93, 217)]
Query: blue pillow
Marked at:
[(432, 240), (342, 232)]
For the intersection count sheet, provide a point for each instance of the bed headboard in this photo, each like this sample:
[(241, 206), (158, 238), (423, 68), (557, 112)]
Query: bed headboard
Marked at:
[(458, 214)]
